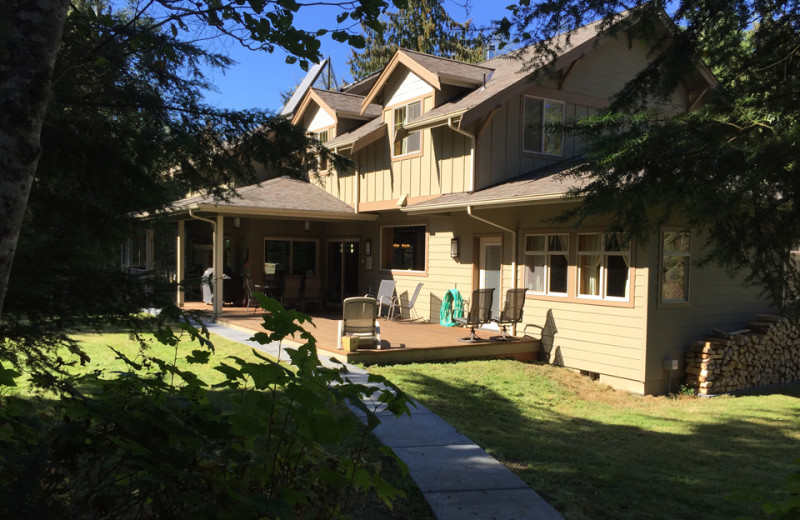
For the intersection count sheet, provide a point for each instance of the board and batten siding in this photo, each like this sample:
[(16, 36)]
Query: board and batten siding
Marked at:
[(442, 167), (500, 156), (716, 302)]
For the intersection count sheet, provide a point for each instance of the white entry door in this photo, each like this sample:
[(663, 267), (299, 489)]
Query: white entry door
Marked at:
[(491, 262)]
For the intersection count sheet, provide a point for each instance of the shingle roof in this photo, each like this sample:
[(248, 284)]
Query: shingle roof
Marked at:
[(473, 73), (508, 70), (359, 133), (279, 195), (342, 102), (542, 184)]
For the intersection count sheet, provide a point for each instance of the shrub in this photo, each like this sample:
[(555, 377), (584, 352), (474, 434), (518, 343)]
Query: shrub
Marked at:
[(158, 442)]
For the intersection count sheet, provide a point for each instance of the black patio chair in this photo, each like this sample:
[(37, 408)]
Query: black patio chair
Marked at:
[(511, 313), (480, 312)]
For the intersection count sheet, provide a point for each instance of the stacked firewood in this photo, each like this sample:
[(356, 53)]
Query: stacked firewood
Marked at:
[(766, 353)]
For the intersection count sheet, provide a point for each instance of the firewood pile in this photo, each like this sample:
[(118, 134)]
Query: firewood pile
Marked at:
[(766, 353)]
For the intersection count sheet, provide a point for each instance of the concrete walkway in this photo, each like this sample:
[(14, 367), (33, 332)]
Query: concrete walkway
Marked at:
[(458, 478)]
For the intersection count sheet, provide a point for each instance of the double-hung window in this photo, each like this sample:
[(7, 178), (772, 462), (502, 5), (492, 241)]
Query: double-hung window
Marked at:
[(546, 264), (411, 143), (604, 261), (538, 137), (676, 250)]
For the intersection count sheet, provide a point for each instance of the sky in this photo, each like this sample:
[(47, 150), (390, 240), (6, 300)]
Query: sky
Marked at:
[(258, 78)]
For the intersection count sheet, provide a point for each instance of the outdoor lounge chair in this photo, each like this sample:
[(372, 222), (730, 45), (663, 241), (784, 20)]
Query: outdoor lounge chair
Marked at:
[(511, 313), (480, 312), (359, 319), (291, 290), (207, 282), (397, 304), (385, 294), (250, 292), (312, 291)]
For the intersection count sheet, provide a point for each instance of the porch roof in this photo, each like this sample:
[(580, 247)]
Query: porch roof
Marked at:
[(543, 185), (280, 197)]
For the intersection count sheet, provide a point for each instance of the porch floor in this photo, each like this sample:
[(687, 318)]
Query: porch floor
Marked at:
[(401, 341)]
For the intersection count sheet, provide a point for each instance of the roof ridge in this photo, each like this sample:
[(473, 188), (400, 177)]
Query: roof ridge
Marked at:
[(427, 55)]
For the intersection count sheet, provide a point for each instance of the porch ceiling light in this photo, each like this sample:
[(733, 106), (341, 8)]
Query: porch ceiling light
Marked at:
[(454, 248), (307, 225)]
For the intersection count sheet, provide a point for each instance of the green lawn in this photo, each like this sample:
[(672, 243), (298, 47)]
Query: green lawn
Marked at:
[(595, 453), (103, 359)]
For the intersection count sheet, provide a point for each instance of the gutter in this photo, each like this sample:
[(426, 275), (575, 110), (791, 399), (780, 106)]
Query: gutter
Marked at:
[(513, 250), (472, 140), (217, 267)]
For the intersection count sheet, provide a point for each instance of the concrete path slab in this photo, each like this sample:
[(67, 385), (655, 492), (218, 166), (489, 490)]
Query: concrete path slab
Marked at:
[(458, 478)]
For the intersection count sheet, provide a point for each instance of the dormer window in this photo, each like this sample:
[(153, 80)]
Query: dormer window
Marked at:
[(539, 113), (322, 137), (411, 143)]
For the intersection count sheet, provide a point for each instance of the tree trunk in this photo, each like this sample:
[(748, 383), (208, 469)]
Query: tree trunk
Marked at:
[(30, 33)]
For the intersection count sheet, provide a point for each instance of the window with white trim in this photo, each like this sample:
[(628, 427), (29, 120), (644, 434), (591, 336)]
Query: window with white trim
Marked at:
[(604, 271), (537, 137), (676, 252), (546, 264), (411, 143)]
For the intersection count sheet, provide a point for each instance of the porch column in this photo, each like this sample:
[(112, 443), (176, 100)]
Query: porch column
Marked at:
[(219, 250), (179, 263), (149, 255)]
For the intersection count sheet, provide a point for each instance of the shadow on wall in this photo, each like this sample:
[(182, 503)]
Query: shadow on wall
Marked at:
[(547, 339)]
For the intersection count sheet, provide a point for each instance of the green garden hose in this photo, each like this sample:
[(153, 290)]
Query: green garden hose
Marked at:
[(452, 307)]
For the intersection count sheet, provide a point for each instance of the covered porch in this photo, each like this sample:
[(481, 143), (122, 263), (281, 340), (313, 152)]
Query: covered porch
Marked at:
[(401, 341)]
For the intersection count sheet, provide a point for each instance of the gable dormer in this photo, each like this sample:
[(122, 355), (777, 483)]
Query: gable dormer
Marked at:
[(410, 71), (329, 114)]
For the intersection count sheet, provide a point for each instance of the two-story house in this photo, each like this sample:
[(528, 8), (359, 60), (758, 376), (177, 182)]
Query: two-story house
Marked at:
[(456, 185)]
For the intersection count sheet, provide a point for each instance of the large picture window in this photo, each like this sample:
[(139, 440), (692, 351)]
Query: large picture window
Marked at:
[(403, 248), (412, 143), (675, 262), (282, 257), (537, 137), (546, 264), (603, 266)]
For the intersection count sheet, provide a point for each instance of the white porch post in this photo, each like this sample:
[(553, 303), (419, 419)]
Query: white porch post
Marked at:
[(179, 263), (219, 250), (149, 255)]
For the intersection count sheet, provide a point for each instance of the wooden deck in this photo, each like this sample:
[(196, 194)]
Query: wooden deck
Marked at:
[(401, 341)]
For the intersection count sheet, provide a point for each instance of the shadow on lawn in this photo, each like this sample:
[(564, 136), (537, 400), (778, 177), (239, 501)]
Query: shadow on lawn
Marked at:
[(594, 470)]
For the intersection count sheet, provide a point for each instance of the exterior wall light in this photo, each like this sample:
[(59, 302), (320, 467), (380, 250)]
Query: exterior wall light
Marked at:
[(454, 248), (368, 247)]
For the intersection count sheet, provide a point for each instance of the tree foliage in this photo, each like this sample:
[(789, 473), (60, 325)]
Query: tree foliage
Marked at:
[(421, 25), (728, 167), (124, 133), (30, 34), (159, 442)]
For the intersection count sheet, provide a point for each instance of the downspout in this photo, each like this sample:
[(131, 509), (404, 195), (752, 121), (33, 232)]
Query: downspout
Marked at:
[(513, 250), (472, 145), (213, 252)]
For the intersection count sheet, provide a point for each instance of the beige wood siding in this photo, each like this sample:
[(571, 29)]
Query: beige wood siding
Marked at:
[(404, 87), (319, 120), (442, 167), (500, 156), (716, 302)]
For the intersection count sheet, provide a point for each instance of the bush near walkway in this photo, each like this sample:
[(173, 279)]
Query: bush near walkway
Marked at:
[(596, 453), (162, 429)]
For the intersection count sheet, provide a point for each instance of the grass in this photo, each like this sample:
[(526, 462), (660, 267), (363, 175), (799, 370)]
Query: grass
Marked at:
[(106, 361), (596, 453)]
